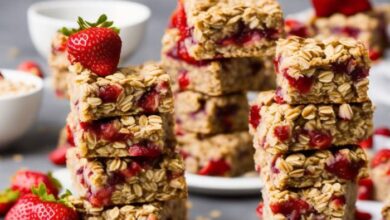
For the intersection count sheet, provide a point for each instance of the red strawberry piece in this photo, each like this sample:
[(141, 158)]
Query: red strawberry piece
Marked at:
[(131, 170), (109, 93), (7, 200), (382, 131), (382, 156), (41, 206), (183, 80), (179, 20), (25, 180), (31, 67), (138, 150), (149, 101), (296, 28), (278, 98), (259, 210), (215, 168), (338, 201), (320, 139), (359, 215), (282, 132), (293, 208), (368, 143), (254, 116), (69, 136), (58, 155), (325, 8), (366, 189), (375, 54)]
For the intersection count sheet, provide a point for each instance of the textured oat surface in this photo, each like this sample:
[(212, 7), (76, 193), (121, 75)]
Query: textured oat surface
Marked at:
[(136, 83), (211, 115), (315, 60), (344, 124), (235, 149)]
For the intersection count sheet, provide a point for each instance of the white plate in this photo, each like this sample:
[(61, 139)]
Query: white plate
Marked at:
[(196, 183), (374, 208)]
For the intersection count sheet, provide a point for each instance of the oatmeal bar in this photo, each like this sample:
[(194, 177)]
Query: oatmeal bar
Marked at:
[(203, 114), (329, 71), (174, 209), (121, 181), (326, 200), (58, 63), (281, 128), (125, 136), (227, 28), (214, 77), (129, 91), (368, 27), (219, 155), (306, 169)]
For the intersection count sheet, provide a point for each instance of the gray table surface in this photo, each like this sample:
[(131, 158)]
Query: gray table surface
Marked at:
[(35, 145)]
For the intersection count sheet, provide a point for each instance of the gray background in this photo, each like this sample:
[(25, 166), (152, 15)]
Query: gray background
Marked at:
[(43, 137)]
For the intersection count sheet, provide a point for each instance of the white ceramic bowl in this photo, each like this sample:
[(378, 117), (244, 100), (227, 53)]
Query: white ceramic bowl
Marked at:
[(18, 112), (45, 18)]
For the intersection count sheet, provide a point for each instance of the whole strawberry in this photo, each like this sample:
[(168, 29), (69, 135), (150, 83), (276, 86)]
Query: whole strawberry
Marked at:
[(32, 67), (39, 205), (97, 46), (7, 200), (25, 180)]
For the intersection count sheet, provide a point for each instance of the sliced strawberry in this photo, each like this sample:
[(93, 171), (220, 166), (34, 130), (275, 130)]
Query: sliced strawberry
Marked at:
[(58, 155), (215, 168), (368, 143), (383, 131), (8, 198), (39, 205), (97, 46), (366, 189), (382, 156), (149, 101), (24, 180), (132, 170), (110, 93), (31, 67)]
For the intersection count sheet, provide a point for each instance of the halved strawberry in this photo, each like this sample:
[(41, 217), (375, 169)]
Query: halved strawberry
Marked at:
[(97, 46), (380, 157), (8, 198), (40, 205), (25, 180)]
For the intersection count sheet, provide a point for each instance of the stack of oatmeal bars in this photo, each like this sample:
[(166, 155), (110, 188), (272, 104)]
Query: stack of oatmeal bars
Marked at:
[(214, 52), (306, 132), (124, 164)]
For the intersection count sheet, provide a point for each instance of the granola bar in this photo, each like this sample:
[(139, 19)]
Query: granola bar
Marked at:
[(219, 155), (227, 28), (368, 27), (308, 169), (281, 128), (129, 91), (214, 77), (125, 136), (174, 209), (121, 181), (328, 71), (327, 200), (203, 114), (58, 63)]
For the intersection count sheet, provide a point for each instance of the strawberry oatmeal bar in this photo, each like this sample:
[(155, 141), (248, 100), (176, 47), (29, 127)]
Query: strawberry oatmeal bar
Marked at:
[(227, 28), (58, 63), (125, 136), (281, 128), (128, 91), (368, 27), (308, 169), (213, 77), (328, 71), (169, 210), (120, 181), (218, 155), (203, 114), (326, 200)]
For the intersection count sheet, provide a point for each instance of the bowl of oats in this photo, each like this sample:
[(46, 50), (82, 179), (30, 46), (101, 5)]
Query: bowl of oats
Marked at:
[(20, 101)]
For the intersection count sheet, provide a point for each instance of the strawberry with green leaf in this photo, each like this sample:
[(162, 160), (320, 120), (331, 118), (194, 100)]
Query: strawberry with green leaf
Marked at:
[(97, 46), (24, 180), (39, 205), (7, 200)]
